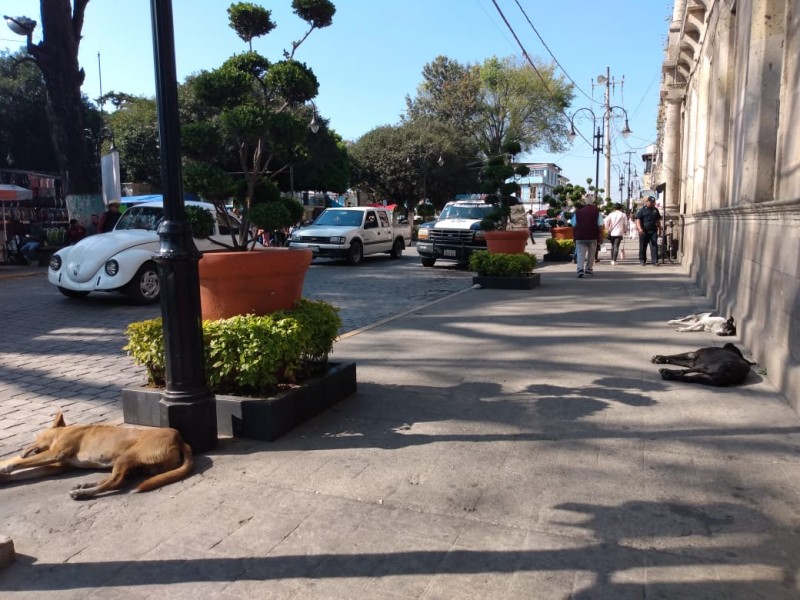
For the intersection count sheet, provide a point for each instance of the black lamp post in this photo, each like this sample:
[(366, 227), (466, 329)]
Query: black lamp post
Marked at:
[(597, 139), (187, 404)]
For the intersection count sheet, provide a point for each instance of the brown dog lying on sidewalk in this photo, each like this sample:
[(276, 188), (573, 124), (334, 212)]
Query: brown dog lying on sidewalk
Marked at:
[(708, 366), (158, 452)]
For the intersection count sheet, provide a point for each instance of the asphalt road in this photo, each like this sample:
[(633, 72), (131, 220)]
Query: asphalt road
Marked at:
[(61, 353)]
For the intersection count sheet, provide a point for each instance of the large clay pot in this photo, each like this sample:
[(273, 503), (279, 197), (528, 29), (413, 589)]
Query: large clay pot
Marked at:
[(256, 282), (512, 241), (561, 233)]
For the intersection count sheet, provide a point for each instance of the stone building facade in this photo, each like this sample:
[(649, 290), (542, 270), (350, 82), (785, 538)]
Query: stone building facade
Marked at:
[(728, 163)]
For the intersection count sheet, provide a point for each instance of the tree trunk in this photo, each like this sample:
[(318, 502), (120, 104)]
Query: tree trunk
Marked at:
[(57, 58)]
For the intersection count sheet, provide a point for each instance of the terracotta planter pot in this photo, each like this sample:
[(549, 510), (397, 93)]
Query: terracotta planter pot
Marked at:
[(561, 233), (512, 241), (258, 282)]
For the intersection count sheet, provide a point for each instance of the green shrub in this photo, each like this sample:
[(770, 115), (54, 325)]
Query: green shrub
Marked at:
[(248, 355), (490, 264), (560, 246), (200, 221)]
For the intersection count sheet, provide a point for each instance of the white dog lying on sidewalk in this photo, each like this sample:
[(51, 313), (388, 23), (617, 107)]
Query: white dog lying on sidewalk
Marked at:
[(705, 322)]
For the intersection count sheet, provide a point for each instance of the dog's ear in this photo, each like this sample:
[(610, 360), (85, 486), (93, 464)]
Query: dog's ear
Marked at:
[(734, 349), (59, 420)]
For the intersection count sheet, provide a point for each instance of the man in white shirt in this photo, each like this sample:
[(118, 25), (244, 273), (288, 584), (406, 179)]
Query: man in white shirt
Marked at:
[(616, 224), (531, 224)]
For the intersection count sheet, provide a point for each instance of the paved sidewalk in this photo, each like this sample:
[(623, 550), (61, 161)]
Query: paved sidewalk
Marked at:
[(502, 444)]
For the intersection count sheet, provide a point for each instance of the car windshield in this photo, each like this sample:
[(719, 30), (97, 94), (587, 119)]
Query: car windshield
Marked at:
[(140, 217), (338, 218), (474, 211)]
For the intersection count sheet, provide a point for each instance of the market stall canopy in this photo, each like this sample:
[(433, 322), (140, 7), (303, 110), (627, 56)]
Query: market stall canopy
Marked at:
[(14, 193), (540, 213)]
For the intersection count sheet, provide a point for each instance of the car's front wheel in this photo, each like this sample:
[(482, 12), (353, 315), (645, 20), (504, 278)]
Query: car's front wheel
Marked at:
[(428, 262), (72, 293), (356, 253), (145, 287)]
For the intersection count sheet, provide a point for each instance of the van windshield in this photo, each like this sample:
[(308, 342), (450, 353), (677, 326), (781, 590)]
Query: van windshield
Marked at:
[(473, 211)]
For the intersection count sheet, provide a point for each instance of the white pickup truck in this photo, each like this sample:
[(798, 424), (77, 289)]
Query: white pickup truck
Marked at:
[(353, 232)]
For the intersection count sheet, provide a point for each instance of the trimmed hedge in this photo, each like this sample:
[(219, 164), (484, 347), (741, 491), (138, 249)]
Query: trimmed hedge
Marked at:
[(248, 355), (493, 264)]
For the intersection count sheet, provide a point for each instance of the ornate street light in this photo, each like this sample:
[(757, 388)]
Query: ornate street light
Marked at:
[(597, 146)]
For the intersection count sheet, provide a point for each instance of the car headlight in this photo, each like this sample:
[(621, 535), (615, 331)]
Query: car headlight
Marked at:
[(424, 233), (479, 234), (112, 267), (55, 262), (338, 240), (295, 237)]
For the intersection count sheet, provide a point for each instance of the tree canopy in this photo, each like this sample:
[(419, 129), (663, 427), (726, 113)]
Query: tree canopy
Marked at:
[(402, 163), (497, 102)]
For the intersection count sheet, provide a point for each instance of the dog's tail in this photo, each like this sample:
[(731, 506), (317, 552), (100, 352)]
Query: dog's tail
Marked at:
[(170, 476)]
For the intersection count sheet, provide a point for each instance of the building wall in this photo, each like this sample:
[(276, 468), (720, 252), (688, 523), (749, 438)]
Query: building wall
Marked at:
[(732, 69)]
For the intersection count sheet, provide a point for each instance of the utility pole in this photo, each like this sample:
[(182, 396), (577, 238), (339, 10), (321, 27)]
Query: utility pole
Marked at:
[(607, 107), (629, 152)]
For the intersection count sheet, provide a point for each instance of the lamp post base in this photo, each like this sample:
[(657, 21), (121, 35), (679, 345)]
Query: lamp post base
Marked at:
[(196, 420)]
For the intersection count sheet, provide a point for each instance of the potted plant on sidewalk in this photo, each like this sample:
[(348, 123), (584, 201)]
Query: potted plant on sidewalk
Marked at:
[(268, 373), (251, 116), (504, 271), (499, 236)]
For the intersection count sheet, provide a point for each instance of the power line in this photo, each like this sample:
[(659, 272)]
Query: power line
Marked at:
[(553, 56), (531, 63)]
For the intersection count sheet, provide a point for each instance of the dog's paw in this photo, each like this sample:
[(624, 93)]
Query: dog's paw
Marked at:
[(668, 373), (84, 486), (80, 494), (658, 360)]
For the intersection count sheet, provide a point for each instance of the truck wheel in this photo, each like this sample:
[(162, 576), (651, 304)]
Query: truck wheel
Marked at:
[(72, 293), (356, 253), (428, 262), (145, 287), (397, 249)]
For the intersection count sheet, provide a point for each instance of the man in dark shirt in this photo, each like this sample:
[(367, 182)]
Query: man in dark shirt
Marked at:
[(587, 223), (109, 218), (648, 223)]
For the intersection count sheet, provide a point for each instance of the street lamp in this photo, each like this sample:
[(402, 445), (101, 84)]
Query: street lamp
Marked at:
[(21, 26), (597, 146), (187, 404), (314, 127)]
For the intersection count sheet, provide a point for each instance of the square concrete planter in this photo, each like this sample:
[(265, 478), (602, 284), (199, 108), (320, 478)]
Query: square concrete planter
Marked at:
[(523, 282), (264, 419)]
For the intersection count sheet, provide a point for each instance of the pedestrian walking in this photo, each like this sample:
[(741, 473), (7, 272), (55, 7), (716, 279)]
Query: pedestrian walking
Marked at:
[(531, 225), (648, 224), (616, 223), (587, 224)]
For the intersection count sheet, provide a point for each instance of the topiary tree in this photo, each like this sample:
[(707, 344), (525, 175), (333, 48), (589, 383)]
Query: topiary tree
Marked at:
[(250, 115)]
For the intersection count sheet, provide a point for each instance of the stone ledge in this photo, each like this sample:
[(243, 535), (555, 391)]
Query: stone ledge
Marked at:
[(264, 419), (7, 554), (522, 282)]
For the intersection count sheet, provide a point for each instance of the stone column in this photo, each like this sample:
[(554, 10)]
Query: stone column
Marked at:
[(672, 151)]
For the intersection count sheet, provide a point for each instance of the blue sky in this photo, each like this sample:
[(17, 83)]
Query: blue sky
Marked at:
[(372, 55)]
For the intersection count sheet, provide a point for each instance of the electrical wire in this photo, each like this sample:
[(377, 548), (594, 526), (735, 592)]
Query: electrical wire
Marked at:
[(553, 56)]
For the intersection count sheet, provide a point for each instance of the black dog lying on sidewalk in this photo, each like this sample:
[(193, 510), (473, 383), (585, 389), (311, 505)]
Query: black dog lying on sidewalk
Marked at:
[(707, 366)]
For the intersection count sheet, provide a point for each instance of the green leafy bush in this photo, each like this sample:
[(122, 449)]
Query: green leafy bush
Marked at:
[(490, 264), (200, 221), (560, 246), (248, 355)]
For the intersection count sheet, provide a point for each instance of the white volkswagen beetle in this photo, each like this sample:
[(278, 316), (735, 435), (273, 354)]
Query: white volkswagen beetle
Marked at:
[(122, 260)]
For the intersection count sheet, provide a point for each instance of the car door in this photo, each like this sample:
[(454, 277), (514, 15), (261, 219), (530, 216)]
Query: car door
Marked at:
[(385, 235), (372, 232)]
